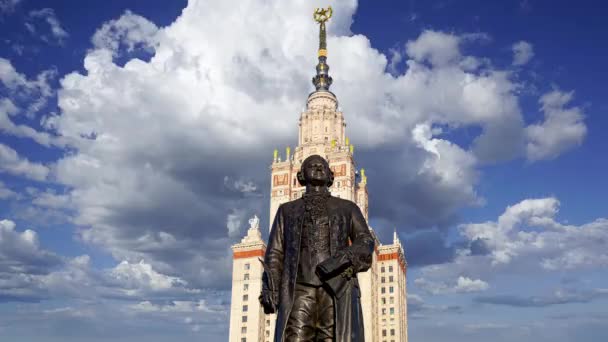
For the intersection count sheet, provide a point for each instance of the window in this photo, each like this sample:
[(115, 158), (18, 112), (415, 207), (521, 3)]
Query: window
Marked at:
[(245, 298), (267, 322), (246, 276), (383, 332), (247, 266), (391, 289), (392, 311), (384, 311), (383, 279), (243, 339), (245, 287), (383, 290), (390, 279), (383, 301), (382, 269), (244, 319), (245, 308), (392, 332), (392, 300), (243, 330), (390, 268)]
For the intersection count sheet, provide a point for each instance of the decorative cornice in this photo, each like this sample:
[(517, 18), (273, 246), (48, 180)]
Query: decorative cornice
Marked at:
[(249, 254)]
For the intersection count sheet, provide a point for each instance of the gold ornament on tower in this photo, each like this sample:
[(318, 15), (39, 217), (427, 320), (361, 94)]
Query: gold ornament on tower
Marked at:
[(322, 81), (322, 15)]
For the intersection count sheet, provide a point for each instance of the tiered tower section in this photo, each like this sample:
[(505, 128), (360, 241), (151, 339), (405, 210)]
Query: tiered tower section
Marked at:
[(322, 132)]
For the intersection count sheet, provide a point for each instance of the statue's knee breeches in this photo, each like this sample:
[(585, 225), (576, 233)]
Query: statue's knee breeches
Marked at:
[(312, 316)]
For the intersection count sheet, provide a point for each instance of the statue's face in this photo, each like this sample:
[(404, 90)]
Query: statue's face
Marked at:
[(316, 171)]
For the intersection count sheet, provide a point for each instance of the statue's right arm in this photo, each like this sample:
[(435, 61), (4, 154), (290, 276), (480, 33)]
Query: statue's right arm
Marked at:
[(274, 256)]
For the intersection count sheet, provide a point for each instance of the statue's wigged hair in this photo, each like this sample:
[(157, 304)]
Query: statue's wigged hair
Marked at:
[(300, 174)]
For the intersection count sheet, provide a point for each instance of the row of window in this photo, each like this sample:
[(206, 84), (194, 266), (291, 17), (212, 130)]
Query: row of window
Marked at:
[(391, 300), (384, 332), (244, 331), (390, 279), (391, 311), (390, 289), (382, 269)]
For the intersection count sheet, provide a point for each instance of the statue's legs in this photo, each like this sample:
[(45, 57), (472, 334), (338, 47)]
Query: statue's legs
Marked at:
[(312, 316)]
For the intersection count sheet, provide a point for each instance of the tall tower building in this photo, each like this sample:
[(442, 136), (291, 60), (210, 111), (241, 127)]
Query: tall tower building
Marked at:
[(392, 303), (322, 131), (247, 319)]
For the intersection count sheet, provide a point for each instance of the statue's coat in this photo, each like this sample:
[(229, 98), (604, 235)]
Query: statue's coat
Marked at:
[(351, 245)]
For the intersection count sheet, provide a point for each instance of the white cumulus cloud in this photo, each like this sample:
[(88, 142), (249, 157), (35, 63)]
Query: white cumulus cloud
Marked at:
[(522, 52), (562, 129), (11, 162), (525, 239), (460, 285), (130, 30)]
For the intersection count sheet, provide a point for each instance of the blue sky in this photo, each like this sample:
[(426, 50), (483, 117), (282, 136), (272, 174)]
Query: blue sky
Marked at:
[(135, 140)]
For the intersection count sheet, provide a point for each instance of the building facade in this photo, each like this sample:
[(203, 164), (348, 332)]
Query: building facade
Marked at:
[(247, 319), (322, 131)]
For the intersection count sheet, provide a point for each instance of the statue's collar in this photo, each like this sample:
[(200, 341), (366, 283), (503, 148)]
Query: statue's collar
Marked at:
[(316, 194)]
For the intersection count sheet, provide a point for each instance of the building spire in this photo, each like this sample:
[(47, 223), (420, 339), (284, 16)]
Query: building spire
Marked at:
[(322, 80)]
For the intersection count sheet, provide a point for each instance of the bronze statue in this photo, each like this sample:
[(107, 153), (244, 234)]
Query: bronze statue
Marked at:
[(317, 245)]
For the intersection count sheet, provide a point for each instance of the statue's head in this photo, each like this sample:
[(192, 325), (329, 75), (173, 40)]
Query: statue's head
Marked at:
[(315, 171)]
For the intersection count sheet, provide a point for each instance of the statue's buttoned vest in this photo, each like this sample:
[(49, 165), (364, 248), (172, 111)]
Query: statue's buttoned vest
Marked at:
[(314, 248)]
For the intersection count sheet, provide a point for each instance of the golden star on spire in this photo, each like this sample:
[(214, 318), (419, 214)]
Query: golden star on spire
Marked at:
[(321, 15)]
